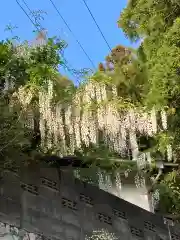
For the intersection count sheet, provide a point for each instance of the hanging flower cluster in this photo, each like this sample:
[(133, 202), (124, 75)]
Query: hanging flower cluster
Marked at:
[(82, 125), (66, 126)]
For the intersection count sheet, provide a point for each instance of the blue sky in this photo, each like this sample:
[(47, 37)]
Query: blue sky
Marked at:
[(79, 20)]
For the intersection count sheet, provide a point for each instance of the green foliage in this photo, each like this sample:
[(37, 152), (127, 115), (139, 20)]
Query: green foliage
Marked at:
[(142, 18), (64, 89), (30, 64), (130, 80), (169, 189), (158, 24), (164, 67), (101, 156), (129, 75), (29, 67), (14, 137), (146, 77)]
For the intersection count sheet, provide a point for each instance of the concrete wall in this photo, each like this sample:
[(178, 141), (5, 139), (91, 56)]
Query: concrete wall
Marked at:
[(61, 207), (123, 186)]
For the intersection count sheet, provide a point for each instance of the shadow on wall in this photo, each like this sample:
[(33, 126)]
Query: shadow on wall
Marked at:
[(126, 189)]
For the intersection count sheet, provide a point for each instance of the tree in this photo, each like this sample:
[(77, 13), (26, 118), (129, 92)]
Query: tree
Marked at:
[(127, 71), (157, 24), (146, 18)]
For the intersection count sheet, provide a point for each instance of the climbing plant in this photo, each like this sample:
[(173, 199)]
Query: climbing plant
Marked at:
[(25, 71)]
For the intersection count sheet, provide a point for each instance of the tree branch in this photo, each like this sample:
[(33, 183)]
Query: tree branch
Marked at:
[(155, 180)]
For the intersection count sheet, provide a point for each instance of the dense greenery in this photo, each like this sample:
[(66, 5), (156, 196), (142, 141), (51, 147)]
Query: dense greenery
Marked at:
[(26, 68), (13, 137), (157, 25), (146, 77), (29, 69)]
